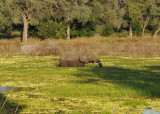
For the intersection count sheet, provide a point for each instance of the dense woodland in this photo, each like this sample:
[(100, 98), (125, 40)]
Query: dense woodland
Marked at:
[(78, 18)]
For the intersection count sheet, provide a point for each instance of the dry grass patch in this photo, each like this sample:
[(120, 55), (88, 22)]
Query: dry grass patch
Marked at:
[(114, 46), (45, 48), (11, 45)]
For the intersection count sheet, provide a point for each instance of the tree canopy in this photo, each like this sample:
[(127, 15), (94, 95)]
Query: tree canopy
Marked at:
[(129, 15)]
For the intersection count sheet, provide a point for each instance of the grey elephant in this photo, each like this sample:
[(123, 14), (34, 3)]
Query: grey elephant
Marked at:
[(78, 59)]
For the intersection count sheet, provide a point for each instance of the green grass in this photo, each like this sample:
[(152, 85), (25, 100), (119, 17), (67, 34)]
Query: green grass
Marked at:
[(121, 85), (135, 103)]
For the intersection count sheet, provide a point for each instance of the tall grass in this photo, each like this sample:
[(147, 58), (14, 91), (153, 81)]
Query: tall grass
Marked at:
[(11, 45), (114, 46)]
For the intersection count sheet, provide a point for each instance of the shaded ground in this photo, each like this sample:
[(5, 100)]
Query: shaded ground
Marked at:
[(145, 81), (7, 106)]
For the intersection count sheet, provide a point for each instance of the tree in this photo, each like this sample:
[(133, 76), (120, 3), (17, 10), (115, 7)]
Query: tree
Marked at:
[(97, 11), (27, 9), (156, 32), (5, 15), (133, 13), (146, 13), (155, 15), (75, 9), (138, 11), (113, 13), (107, 12)]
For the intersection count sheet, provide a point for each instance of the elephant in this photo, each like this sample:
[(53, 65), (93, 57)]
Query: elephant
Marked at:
[(78, 59)]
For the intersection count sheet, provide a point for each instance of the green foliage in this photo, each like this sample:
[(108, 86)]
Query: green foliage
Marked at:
[(113, 13), (78, 10), (107, 30), (51, 29), (123, 33), (133, 11), (137, 28), (153, 27), (99, 29), (29, 7), (82, 30), (6, 16), (97, 11), (121, 13)]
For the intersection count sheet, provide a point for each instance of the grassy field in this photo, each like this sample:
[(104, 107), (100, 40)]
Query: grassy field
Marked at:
[(124, 84)]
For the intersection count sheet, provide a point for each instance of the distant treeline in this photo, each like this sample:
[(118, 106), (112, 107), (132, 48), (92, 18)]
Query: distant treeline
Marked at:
[(77, 18)]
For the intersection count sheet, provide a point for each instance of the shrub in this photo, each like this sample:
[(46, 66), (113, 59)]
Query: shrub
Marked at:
[(82, 30), (122, 33), (137, 28), (99, 29), (5, 32), (107, 30), (51, 29)]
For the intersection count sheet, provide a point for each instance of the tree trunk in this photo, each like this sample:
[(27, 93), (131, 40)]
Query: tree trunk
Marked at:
[(25, 29), (145, 24), (130, 31), (68, 27), (155, 34)]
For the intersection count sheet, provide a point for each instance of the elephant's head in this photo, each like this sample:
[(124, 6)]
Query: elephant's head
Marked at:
[(89, 58)]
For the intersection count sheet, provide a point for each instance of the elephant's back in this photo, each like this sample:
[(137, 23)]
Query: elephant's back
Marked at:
[(69, 56)]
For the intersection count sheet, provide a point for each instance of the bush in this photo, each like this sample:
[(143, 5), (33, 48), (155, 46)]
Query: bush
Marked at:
[(82, 30), (123, 33), (137, 28), (107, 30), (99, 29), (51, 29)]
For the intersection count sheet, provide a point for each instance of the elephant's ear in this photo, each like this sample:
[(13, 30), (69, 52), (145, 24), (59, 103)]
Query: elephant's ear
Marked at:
[(83, 58)]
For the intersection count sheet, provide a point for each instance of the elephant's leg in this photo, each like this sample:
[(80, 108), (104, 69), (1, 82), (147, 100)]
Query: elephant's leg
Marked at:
[(63, 64), (80, 64)]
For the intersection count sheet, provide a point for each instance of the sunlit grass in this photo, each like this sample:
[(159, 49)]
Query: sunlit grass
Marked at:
[(122, 84), (134, 103)]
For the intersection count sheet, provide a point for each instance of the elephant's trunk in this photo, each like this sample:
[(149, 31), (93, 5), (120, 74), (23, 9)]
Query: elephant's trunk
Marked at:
[(100, 64)]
